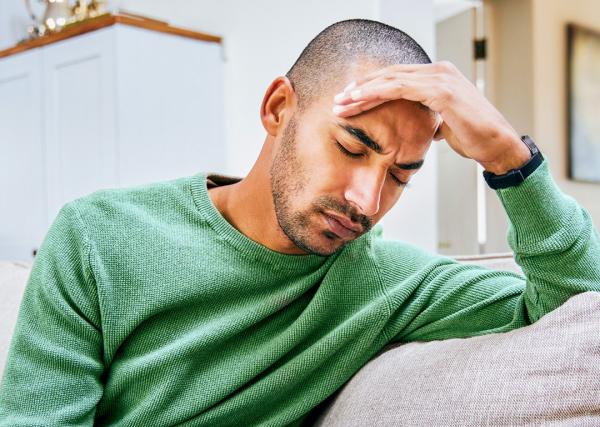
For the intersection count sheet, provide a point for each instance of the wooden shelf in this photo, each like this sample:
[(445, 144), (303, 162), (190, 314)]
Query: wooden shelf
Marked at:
[(103, 21)]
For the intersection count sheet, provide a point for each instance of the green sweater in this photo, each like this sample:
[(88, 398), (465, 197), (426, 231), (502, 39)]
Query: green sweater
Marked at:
[(145, 307)]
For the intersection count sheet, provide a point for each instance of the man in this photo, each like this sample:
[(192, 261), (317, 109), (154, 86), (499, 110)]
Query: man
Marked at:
[(214, 300)]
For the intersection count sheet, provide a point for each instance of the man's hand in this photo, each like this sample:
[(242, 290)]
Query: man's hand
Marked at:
[(467, 120)]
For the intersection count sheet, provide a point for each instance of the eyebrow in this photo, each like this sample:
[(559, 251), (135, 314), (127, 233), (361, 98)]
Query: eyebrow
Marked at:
[(362, 136)]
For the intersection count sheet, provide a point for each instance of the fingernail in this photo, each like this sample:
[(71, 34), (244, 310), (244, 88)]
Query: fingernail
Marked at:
[(338, 109), (339, 97), (350, 86), (355, 94)]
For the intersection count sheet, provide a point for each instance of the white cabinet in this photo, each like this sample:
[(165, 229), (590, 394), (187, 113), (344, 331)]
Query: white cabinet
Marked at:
[(23, 204), (80, 103), (118, 106)]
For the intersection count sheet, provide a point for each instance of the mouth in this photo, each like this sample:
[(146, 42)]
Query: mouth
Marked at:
[(342, 227)]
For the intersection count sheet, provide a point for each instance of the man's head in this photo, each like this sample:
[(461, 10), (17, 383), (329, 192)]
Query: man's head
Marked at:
[(345, 46), (323, 165)]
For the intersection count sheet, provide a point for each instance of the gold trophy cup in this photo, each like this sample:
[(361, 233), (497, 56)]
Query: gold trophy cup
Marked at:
[(59, 13)]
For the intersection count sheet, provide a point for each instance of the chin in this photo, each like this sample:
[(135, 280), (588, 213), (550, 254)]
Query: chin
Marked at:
[(322, 244), (319, 240)]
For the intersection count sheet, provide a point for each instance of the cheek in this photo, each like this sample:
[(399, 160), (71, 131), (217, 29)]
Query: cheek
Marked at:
[(319, 160), (389, 198)]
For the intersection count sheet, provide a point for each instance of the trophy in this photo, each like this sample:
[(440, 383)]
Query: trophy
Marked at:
[(59, 13)]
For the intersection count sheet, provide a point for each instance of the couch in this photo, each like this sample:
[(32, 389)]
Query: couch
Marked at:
[(545, 374)]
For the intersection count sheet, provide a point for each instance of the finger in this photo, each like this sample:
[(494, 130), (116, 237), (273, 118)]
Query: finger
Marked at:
[(439, 135), (371, 90), (348, 97), (409, 89), (383, 92), (355, 108), (443, 132), (375, 95), (402, 68)]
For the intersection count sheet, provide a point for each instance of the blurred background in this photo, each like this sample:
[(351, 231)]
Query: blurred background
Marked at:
[(99, 94)]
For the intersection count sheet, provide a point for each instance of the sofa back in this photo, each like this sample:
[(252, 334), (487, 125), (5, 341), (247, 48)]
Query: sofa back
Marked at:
[(546, 373)]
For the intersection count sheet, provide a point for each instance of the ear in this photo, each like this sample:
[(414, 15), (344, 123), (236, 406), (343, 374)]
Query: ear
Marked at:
[(279, 101)]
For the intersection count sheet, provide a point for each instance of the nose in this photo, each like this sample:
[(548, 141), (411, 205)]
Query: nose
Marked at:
[(364, 191)]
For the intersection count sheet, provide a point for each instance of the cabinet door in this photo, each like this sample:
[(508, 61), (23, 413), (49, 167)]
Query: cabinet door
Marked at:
[(170, 104), (23, 219), (79, 117)]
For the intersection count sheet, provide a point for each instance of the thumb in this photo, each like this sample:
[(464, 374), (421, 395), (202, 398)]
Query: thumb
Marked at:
[(438, 131), (444, 132)]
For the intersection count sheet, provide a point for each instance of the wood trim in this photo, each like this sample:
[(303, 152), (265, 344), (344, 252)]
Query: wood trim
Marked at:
[(154, 25), (103, 21)]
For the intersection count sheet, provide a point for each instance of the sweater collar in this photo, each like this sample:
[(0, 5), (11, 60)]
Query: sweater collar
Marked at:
[(200, 184)]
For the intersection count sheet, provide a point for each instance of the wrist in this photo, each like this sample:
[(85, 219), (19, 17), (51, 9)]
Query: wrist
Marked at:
[(513, 177), (514, 158)]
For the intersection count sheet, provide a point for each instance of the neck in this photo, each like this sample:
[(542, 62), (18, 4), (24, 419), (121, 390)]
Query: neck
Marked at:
[(248, 205)]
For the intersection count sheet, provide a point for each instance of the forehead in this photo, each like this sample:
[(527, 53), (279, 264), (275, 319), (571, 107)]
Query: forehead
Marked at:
[(392, 124)]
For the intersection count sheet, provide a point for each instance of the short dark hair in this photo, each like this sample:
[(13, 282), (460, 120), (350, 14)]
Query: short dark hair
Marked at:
[(326, 58)]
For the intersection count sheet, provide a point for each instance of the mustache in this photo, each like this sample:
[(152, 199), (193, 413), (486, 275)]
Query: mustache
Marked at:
[(346, 210)]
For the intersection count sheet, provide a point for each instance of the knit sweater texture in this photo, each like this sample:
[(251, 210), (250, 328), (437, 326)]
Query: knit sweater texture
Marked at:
[(145, 307)]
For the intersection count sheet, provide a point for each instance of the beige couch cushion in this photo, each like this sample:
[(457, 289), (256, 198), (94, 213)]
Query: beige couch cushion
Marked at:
[(496, 261), (547, 373)]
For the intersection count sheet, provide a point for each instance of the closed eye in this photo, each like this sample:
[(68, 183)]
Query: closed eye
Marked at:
[(399, 182), (348, 153), (359, 155)]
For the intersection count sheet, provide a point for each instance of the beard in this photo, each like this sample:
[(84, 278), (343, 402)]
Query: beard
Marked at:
[(288, 181)]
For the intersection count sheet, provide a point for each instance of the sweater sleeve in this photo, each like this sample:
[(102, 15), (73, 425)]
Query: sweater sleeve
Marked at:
[(554, 242), (52, 375)]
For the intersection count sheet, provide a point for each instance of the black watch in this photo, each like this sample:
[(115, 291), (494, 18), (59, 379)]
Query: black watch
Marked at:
[(516, 176)]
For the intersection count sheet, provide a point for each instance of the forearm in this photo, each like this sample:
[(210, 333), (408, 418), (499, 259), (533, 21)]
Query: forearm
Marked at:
[(554, 241)]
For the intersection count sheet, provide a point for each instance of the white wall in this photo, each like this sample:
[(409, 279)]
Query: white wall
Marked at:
[(13, 22), (509, 75), (528, 71), (549, 88)]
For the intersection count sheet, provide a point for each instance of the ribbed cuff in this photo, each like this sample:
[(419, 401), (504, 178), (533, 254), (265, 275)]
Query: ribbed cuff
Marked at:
[(542, 218)]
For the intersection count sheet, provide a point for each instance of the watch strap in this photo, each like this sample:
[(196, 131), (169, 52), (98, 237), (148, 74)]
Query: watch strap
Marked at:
[(516, 176)]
